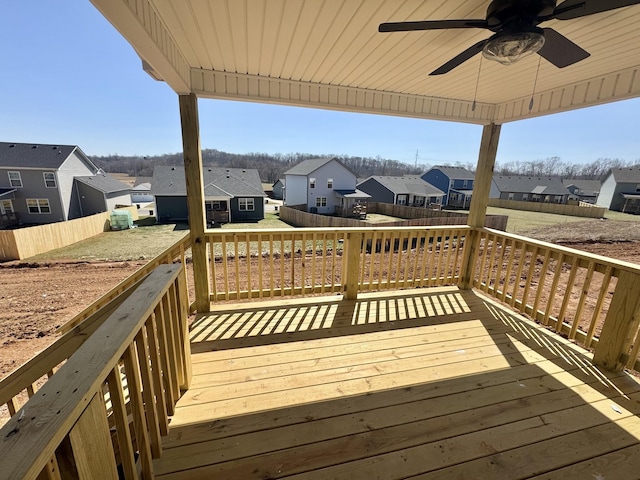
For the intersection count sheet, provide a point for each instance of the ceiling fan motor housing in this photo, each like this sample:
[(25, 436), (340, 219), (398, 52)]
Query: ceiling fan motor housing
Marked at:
[(511, 14)]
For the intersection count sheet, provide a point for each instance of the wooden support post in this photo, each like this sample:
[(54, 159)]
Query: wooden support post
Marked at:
[(195, 198), (351, 275), (621, 324), (480, 198)]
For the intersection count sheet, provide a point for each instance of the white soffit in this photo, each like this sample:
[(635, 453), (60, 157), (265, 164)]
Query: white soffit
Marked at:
[(329, 54)]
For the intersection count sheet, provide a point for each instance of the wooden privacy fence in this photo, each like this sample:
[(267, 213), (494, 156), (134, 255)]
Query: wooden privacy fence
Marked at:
[(593, 300), (27, 242), (416, 217), (286, 262), (557, 208), (25, 381), (128, 373)]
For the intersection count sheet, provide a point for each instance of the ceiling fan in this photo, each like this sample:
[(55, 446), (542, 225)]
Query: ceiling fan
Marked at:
[(516, 32)]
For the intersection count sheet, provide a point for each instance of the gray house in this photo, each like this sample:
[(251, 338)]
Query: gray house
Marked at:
[(324, 186), (409, 190), (529, 189), (38, 184), (620, 190), (231, 194), (584, 190)]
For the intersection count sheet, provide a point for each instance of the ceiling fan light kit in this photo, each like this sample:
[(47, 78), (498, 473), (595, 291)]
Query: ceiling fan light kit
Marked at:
[(508, 48), (516, 32)]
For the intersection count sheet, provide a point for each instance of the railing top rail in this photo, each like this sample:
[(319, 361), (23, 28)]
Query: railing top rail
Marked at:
[(328, 230), (31, 436), (606, 261)]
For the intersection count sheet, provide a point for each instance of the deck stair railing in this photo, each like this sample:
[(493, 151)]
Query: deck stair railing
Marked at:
[(24, 382), (126, 377)]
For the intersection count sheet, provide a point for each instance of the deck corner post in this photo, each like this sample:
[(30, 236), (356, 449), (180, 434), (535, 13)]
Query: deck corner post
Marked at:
[(620, 325), (480, 198), (195, 198), (351, 275)]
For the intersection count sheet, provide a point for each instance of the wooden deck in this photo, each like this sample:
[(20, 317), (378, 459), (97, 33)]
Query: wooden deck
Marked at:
[(426, 383)]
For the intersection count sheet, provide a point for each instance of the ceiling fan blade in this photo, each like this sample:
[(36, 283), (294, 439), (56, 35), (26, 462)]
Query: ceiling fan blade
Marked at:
[(431, 25), (460, 58), (581, 8), (559, 50)]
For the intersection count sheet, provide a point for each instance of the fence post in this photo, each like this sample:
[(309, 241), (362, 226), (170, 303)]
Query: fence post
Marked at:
[(621, 323), (354, 248)]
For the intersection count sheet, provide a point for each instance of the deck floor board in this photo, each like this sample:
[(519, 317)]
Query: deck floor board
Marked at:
[(426, 383)]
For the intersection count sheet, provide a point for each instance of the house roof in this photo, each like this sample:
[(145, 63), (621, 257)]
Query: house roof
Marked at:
[(626, 175), (218, 182), (142, 180), (142, 187), (585, 187), (307, 167), (411, 184), (535, 185), (455, 173), (6, 191), (34, 155), (104, 182)]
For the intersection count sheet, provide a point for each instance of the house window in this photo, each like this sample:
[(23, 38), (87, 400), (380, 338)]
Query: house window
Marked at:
[(246, 204), (215, 205), (321, 201), (15, 180), (511, 196), (49, 179), (312, 183), (330, 183), (6, 206), (525, 197), (638, 188), (38, 205), (465, 184)]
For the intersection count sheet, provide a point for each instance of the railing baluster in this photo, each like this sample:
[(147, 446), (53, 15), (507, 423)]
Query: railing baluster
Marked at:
[(156, 369), (225, 267), (541, 282), (172, 361), (249, 269), (583, 298), (121, 420), (214, 276), (236, 264), (148, 391), (516, 283), (604, 289), (554, 286), (281, 265), (272, 278), (567, 293), (530, 273), (137, 411), (167, 368)]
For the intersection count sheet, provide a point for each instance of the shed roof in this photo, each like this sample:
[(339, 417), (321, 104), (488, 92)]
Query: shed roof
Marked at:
[(218, 182), (104, 182), (535, 185), (34, 155)]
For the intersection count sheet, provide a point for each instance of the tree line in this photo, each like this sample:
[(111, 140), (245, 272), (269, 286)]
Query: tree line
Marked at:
[(272, 166)]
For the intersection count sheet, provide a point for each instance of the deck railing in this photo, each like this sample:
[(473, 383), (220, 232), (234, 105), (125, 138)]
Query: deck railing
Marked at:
[(287, 262), (127, 374), (24, 382), (591, 299)]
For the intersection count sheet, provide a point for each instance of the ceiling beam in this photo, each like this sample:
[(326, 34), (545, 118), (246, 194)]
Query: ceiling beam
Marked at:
[(235, 86)]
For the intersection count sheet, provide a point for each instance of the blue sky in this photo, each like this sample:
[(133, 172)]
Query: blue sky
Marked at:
[(68, 77)]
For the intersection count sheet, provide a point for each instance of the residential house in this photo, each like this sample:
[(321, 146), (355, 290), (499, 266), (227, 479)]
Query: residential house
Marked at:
[(529, 189), (44, 184), (455, 182), (583, 190), (278, 189), (409, 190), (620, 190), (230, 194), (323, 185), (141, 191)]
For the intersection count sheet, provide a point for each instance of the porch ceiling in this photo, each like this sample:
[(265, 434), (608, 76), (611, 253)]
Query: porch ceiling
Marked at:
[(329, 54)]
